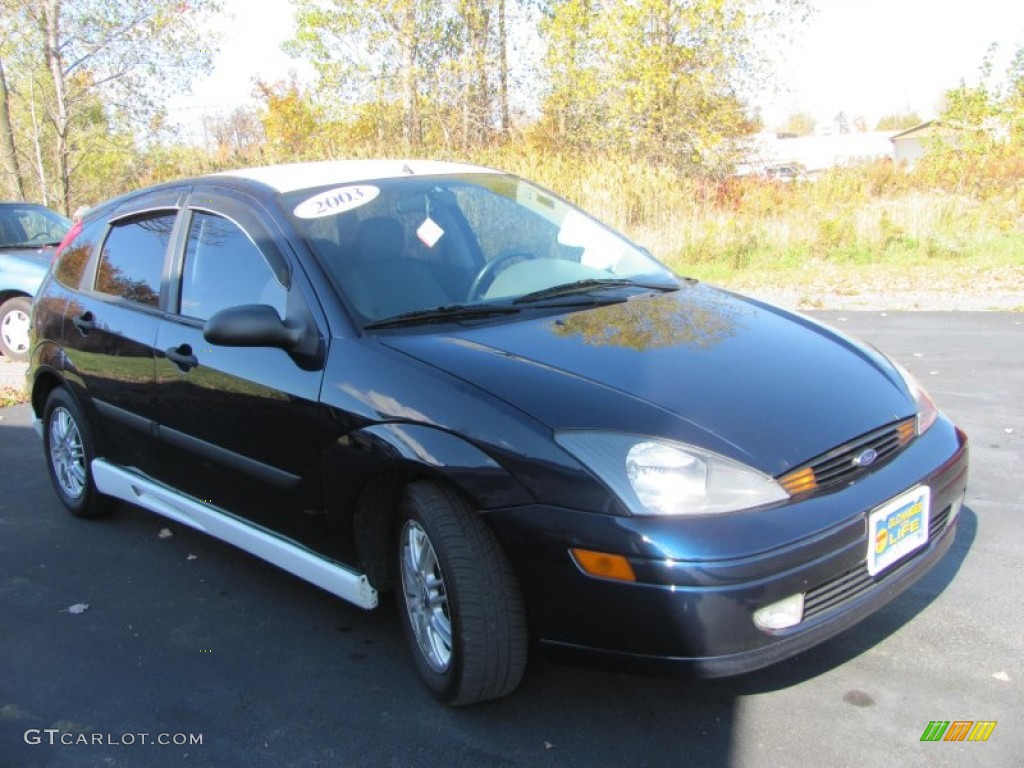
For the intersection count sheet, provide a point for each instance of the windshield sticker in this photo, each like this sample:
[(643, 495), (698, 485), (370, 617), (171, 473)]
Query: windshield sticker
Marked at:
[(335, 201), (429, 232)]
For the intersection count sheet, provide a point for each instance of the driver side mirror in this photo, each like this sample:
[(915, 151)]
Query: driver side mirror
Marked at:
[(259, 325)]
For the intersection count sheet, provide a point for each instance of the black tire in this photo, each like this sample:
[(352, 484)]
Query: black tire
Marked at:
[(14, 314), (472, 586), (69, 449)]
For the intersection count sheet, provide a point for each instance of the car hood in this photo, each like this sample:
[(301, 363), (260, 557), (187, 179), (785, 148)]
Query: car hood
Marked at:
[(701, 365), (23, 269), (36, 255)]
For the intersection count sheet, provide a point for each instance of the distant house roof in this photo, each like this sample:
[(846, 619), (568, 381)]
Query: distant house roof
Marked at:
[(921, 130)]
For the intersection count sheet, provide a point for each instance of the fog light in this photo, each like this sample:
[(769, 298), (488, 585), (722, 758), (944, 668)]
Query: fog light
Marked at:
[(955, 509), (785, 613)]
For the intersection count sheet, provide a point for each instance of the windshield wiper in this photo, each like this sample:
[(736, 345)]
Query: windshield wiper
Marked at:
[(443, 314), (582, 286)]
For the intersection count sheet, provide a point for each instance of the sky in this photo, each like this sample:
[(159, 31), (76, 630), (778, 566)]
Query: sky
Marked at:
[(866, 58), (878, 57)]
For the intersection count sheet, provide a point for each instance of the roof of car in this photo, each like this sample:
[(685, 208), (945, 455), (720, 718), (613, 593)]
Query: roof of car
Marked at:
[(292, 176)]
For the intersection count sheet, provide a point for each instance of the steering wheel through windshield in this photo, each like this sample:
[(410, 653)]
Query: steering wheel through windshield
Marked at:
[(493, 267)]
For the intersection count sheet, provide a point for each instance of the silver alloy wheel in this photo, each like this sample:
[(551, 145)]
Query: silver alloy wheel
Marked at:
[(14, 330), (426, 597), (67, 454)]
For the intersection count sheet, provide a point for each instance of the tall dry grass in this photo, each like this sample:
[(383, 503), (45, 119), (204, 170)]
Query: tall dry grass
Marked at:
[(741, 230)]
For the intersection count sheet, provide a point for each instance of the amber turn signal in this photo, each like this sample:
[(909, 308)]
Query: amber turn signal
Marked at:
[(799, 481), (603, 565)]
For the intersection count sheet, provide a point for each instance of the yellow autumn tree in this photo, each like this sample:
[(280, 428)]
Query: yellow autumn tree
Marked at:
[(660, 79), (292, 123)]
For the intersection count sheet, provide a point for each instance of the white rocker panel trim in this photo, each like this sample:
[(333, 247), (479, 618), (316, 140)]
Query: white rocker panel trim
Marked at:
[(336, 579)]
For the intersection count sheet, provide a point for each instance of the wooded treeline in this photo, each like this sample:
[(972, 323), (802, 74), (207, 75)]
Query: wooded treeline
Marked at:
[(84, 84), (611, 102), (81, 81), (662, 79)]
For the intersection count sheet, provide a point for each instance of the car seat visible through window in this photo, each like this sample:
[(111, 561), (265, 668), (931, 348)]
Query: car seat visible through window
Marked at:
[(380, 279)]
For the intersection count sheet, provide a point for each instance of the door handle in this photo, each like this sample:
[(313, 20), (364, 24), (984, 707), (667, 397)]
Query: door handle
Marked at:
[(85, 322), (182, 357)]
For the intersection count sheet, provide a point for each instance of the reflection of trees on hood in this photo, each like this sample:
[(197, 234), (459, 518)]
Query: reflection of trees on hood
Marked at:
[(703, 322)]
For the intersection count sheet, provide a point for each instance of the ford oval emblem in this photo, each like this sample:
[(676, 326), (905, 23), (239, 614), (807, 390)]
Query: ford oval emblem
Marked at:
[(866, 458)]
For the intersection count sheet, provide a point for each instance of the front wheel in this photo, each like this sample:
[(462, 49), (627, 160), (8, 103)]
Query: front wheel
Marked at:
[(460, 605), (69, 447)]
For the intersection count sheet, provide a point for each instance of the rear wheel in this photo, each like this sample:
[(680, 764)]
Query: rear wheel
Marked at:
[(14, 321), (69, 447), (461, 608)]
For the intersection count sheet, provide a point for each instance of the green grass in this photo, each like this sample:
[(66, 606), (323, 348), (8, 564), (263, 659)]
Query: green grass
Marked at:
[(955, 266)]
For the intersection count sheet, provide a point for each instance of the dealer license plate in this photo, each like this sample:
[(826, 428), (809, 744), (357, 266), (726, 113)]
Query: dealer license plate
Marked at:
[(897, 528)]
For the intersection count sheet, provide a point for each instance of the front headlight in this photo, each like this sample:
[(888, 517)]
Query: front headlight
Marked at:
[(661, 477), (927, 411)]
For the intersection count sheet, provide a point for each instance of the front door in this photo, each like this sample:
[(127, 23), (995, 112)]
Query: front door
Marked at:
[(240, 426)]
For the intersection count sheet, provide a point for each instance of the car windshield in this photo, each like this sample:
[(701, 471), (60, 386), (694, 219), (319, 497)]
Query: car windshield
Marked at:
[(401, 246), (30, 225)]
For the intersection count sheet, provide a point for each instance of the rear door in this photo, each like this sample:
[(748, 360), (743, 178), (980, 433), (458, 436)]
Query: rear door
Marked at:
[(241, 427), (112, 323)]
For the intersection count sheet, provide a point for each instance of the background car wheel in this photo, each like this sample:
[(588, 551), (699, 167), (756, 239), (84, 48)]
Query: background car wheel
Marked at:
[(461, 608), (14, 319), (69, 447)]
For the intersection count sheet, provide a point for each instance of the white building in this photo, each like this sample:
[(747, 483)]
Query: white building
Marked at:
[(814, 154)]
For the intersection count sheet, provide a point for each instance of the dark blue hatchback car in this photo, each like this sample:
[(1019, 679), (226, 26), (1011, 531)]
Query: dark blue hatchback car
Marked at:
[(442, 381)]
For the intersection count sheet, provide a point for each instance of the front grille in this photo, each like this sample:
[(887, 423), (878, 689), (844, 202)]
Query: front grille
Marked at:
[(843, 588), (839, 590), (841, 464), (937, 523)]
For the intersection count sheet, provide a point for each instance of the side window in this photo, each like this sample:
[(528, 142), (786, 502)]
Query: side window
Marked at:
[(75, 257), (132, 259), (224, 268)]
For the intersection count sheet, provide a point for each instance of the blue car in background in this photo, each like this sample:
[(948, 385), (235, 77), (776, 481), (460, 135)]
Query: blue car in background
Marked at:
[(29, 234)]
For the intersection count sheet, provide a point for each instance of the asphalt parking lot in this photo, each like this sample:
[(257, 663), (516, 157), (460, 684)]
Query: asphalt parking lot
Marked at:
[(184, 636)]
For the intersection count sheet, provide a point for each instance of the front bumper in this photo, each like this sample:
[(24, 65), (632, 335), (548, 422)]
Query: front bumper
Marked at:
[(700, 580)]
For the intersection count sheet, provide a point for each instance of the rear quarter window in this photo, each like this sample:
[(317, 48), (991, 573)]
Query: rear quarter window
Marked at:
[(132, 259), (73, 260)]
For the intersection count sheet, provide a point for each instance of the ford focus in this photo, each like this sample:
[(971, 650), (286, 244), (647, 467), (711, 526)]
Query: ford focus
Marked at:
[(445, 383)]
